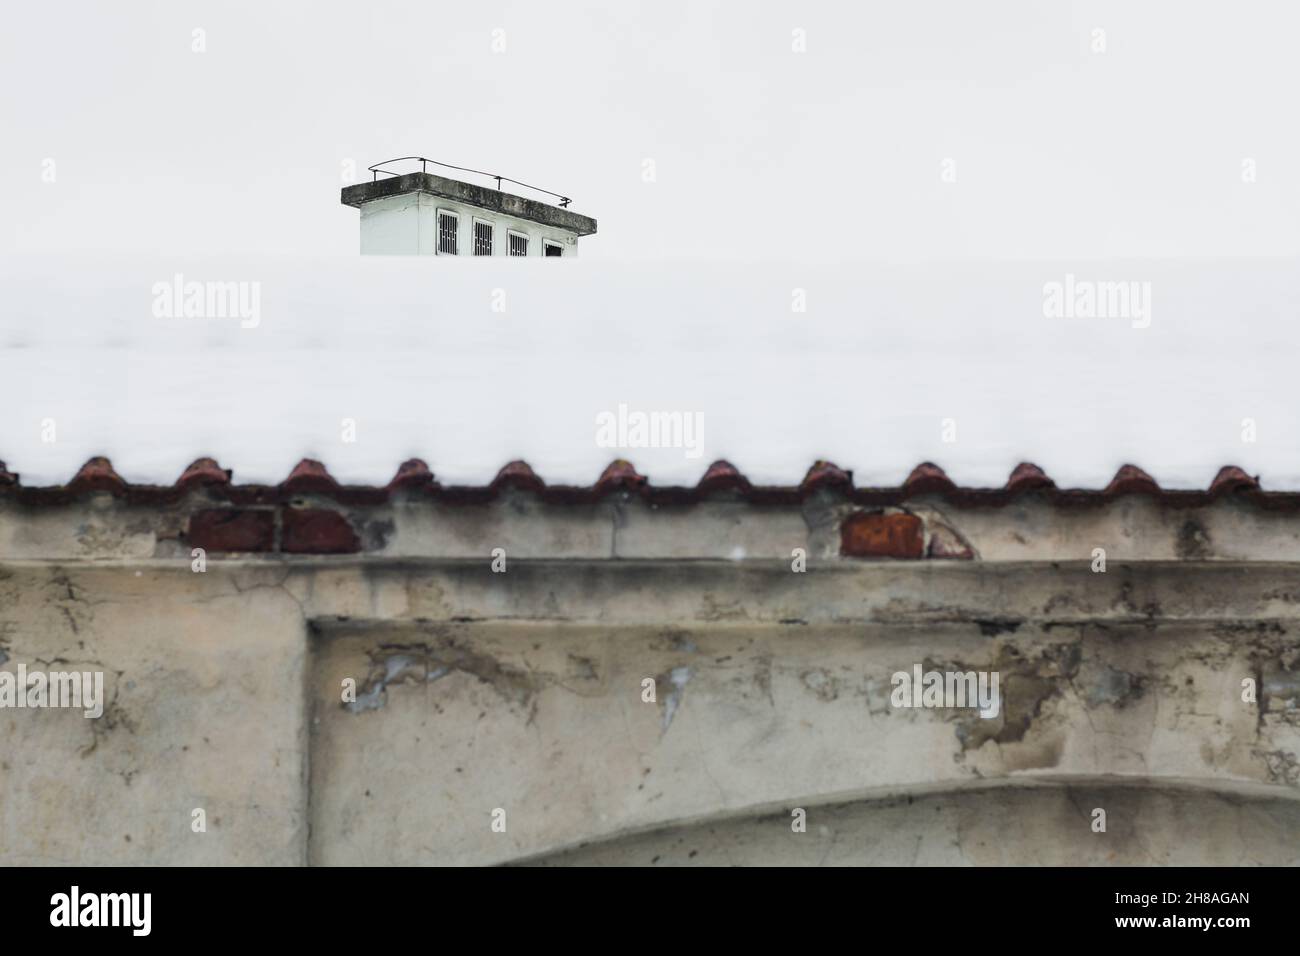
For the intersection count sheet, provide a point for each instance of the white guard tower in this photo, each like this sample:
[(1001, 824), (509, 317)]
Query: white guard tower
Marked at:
[(420, 213)]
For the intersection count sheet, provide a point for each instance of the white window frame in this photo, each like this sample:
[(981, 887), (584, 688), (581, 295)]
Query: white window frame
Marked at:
[(473, 248), (557, 245), (510, 233), (437, 231)]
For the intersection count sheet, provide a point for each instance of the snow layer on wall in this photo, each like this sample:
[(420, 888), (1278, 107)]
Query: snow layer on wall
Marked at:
[(469, 364)]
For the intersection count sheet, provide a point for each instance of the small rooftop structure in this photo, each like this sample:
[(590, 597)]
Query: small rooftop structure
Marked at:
[(421, 213)]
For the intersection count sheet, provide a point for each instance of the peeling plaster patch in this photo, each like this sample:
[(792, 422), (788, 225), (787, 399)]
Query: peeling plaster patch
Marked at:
[(1193, 541), (392, 665), (821, 683), (1280, 690), (678, 678), (672, 639), (99, 537), (584, 667), (1062, 604), (721, 610), (1125, 601), (1283, 767), (1028, 683), (1115, 687), (395, 668), (947, 543), (876, 693), (515, 685), (375, 533), (1044, 750), (372, 699)]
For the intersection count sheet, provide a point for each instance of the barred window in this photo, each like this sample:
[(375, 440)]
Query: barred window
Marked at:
[(482, 238), (448, 223), (518, 244)]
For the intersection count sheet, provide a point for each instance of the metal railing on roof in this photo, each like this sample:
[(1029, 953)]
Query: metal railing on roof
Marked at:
[(424, 164)]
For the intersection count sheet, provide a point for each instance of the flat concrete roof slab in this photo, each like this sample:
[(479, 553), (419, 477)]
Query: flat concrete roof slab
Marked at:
[(481, 196)]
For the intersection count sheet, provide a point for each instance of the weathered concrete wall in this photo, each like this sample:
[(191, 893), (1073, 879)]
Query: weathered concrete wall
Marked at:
[(204, 680), (1043, 824), (546, 721), (522, 691)]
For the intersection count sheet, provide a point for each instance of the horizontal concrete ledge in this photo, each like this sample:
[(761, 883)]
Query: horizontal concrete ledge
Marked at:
[(994, 598), (834, 566), (885, 825)]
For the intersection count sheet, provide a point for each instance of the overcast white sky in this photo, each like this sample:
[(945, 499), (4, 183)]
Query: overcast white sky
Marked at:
[(759, 152), (820, 171)]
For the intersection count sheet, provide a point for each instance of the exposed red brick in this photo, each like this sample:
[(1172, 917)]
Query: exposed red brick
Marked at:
[(232, 529), (1231, 478), (317, 531), (1026, 477), (7, 477), (873, 535)]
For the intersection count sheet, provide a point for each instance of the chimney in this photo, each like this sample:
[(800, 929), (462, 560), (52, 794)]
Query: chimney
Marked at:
[(421, 213)]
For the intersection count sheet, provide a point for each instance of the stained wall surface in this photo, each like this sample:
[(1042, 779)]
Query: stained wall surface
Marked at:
[(703, 683)]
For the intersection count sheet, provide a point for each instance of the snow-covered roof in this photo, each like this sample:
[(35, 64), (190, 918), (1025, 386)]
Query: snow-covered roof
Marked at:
[(363, 363)]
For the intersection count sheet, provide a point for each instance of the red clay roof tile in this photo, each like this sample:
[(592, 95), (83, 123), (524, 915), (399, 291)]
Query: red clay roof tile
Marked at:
[(308, 477)]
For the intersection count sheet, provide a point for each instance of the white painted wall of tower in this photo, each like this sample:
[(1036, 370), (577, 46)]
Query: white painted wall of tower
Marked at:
[(408, 225)]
